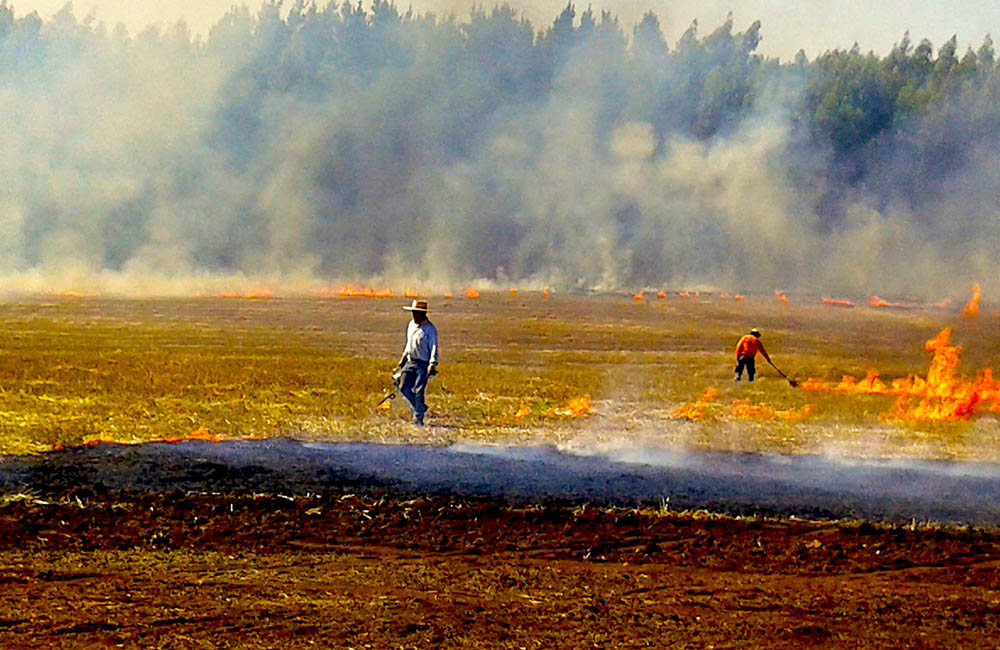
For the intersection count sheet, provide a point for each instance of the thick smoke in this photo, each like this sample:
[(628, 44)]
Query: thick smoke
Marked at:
[(336, 144)]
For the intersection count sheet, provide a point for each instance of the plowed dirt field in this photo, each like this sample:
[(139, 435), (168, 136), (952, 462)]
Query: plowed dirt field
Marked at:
[(86, 567)]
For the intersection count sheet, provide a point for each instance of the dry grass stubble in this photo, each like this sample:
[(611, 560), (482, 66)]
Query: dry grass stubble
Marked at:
[(77, 370)]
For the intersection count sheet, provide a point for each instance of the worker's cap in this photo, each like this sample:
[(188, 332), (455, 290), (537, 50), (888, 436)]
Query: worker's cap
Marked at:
[(418, 305), (755, 332)]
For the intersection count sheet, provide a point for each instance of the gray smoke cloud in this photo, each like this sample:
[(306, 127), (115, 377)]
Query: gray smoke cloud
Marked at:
[(327, 148)]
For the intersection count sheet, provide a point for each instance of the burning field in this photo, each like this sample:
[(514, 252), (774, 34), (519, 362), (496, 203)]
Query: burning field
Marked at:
[(209, 471)]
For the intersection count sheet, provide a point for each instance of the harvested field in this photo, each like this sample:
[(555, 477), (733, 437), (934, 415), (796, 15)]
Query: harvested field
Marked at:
[(513, 521), (261, 572)]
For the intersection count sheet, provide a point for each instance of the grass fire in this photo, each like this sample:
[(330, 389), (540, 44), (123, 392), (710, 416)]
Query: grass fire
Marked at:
[(226, 506), (942, 395), (218, 231), (142, 370)]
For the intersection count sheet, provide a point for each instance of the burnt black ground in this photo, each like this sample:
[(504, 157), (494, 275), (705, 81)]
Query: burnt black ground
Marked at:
[(735, 484)]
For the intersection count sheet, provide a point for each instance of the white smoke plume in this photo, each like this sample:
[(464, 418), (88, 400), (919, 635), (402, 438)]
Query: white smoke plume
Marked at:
[(333, 145)]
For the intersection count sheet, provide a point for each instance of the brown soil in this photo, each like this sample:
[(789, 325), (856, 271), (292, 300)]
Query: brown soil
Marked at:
[(87, 562), (374, 571)]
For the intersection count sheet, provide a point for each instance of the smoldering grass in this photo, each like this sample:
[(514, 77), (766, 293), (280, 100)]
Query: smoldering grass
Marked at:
[(138, 370)]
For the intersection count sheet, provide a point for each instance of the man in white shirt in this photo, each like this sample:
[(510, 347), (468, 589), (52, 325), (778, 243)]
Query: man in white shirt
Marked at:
[(419, 360)]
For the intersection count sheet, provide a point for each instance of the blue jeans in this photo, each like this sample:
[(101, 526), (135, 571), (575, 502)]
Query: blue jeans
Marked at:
[(413, 386)]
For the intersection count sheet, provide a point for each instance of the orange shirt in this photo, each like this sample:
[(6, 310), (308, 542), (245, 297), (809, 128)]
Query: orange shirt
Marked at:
[(749, 346)]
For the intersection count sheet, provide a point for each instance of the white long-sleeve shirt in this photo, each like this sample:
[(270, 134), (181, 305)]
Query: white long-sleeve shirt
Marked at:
[(422, 343)]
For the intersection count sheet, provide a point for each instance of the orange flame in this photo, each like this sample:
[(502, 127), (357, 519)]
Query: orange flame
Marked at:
[(91, 441), (877, 303), (697, 409), (814, 385), (447, 296), (576, 407), (943, 393), (75, 294), (523, 411), (661, 295), (780, 296), (870, 385), (197, 434), (364, 292), (743, 409), (351, 291), (739, 298), (943, 304), (638, 296), (471, 293), (740, 409), (513, 291), (972, 307), (250, 295), (684, 294), (201, 434), (410, 294), (838, 302)]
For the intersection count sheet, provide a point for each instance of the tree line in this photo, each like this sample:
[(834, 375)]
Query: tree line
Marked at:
[(385, 112)]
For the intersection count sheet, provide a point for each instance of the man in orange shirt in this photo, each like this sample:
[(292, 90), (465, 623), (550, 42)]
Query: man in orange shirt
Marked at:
[(747, 348)]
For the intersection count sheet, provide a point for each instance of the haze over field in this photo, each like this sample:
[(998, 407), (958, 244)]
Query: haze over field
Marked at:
[(306, 145)]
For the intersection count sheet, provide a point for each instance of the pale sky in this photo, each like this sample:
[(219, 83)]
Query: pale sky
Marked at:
[(787, 26)]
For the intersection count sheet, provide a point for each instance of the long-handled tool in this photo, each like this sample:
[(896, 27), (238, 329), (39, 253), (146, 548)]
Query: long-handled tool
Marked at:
[(791, 382), (397, 377), (388, 397)]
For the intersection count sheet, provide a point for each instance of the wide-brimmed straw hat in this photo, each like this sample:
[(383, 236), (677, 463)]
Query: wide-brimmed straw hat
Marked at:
[(418, 305)]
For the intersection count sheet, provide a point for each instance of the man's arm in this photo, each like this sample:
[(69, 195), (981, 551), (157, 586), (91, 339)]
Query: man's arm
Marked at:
[(432, 345)]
